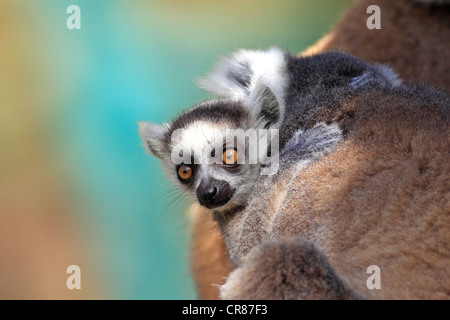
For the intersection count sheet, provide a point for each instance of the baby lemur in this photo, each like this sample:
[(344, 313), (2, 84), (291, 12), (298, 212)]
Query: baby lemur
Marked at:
[(311, 228), (257, 90)]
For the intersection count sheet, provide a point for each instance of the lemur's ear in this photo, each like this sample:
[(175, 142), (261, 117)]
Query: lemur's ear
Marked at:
[(266, 110), (236, 76), (376, 75), (152, 136)]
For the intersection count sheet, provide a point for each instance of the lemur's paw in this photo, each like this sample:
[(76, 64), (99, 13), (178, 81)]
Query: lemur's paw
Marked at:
[(285, 269), (237, 75)]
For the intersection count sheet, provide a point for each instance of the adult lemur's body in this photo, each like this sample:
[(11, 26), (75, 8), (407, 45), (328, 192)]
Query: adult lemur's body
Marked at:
[(381, 197)]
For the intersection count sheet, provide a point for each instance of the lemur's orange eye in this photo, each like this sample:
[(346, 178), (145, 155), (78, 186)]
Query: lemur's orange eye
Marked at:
[(184, 172), (230, 156)]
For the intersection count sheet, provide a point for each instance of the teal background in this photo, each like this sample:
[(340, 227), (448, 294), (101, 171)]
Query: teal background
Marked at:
[(138, 60)]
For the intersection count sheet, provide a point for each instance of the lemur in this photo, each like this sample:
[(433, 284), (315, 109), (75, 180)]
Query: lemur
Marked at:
[(311, 100)]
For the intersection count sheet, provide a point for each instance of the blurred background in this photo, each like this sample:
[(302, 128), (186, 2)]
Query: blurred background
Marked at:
[(76, 187)]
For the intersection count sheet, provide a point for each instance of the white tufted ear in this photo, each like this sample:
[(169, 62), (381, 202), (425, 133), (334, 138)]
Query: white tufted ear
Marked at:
[(266, 110), (152, 136), (236, 76)]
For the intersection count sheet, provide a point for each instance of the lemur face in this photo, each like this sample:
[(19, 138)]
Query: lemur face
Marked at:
[(212, 168), (216, 150), (201, 152)]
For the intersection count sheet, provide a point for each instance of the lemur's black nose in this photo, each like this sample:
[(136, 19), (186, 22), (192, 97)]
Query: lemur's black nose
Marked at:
[(214, 193), (210, 192)]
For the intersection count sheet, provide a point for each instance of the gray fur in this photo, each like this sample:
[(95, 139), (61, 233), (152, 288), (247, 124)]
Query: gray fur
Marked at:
[(152, 136)]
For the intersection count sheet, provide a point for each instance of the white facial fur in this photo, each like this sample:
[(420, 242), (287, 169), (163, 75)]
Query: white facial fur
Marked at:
[(201, 138)]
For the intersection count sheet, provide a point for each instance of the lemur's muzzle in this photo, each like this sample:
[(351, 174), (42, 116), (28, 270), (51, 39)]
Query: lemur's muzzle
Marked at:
[(214, 193)]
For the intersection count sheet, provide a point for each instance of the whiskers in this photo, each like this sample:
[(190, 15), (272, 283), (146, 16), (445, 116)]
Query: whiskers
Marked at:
[(171, 198), (170, 207)]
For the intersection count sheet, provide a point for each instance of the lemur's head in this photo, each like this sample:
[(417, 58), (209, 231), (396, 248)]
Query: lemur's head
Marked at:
[(217, 149)]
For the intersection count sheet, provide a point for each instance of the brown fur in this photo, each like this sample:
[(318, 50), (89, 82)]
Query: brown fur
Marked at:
[(317, 278), (332, 203), (414, 41)]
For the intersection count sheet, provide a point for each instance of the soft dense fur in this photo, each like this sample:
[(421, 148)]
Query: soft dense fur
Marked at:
[(286, 269), (380, 198), (413, 40)]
